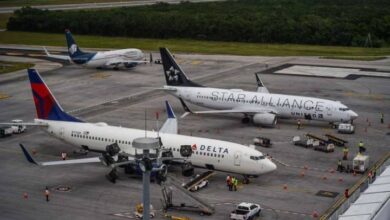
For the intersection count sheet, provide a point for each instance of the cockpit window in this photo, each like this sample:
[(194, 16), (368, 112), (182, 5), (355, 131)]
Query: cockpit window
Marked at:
[(257, 157), (343, 109)]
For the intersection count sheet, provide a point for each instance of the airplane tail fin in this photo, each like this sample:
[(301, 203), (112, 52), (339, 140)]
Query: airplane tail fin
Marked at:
[(170, 125), (46, 104), (174, 75), (73, 49)]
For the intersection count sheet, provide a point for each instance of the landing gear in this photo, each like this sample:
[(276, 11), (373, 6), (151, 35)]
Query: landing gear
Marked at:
[(245, 180), (246, 120)]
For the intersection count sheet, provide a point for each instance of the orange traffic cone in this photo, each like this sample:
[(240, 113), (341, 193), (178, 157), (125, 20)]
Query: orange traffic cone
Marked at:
[(34, 151), (25, 195), (302, 174), (324, 178), (340, 179), (285, 186)]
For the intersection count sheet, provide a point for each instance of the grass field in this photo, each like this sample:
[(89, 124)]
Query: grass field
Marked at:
[(3, 20), (7, 67), (9, 3), (193, 46)]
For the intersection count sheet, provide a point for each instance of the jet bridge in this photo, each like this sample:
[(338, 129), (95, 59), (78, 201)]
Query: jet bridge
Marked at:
[(202, 207)]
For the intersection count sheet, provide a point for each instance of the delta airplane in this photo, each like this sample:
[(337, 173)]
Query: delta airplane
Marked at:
[(260, 107), (127, 58), (207, 153)]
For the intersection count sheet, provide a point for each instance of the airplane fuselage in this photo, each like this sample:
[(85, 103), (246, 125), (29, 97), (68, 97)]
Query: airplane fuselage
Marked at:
[(284, 106), (207, 153), (109, 58)]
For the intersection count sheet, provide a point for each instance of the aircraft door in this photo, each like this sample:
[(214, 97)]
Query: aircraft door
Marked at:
[(237, 158), (61, 133)]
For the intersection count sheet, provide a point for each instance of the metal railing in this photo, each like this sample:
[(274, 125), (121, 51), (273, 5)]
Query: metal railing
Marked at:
[(343, 203)]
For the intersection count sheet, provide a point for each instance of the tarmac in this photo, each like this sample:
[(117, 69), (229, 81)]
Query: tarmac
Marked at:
[(122, 97)]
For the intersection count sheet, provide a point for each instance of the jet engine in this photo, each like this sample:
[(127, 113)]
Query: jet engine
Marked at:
[(187, 169), (266, 119)]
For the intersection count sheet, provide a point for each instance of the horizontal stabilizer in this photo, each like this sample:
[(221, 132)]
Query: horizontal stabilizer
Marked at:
[(60, 162)]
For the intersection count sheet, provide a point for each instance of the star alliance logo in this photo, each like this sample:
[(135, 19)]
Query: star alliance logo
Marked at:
[(73, 49), (173, 74)]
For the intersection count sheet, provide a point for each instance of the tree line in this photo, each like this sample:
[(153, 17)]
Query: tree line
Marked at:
[(321, 22)]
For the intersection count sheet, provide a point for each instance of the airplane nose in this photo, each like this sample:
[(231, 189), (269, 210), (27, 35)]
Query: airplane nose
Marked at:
[(269, 166), (353, 115)]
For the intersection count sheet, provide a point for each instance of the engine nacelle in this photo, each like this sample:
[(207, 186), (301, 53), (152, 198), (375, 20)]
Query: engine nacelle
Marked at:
[(266, 119)]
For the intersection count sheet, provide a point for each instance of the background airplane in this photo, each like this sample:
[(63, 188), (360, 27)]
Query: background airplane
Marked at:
[(115, 143), (126, 58), (260, 107)]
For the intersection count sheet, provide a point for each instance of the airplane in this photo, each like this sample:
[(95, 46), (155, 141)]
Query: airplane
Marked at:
[(260, 107), (115, 143), (127, 58)]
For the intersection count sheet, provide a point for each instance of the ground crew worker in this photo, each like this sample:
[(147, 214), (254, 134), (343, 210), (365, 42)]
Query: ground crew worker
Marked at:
[(345, 152), (339, 166), (47, 194), (63, 155), (235, 183), (298, 124), (361, 147), (382, 118), (346, 193), (229, 182)]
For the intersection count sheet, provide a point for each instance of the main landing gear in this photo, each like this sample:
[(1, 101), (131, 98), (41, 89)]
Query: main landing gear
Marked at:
[(246, 119)]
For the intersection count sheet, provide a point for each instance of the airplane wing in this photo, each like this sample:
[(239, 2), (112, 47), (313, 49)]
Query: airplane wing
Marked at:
[(60, 162), (170, 125), (238, 110), (260, 86), (24, 123), (60, 57)]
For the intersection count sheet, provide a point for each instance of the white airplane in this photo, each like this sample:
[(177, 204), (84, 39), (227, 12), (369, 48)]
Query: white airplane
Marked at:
[(261, 106), (99, 137), (127, 58)]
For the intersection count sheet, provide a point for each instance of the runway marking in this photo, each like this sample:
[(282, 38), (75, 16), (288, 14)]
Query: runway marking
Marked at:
[(34, 55), (196, 62), (4, 96), (100, 75), (14, 54), (125, 215), (368, 96)]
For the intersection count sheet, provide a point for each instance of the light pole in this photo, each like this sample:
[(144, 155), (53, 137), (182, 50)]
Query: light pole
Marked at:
[(146, 144)]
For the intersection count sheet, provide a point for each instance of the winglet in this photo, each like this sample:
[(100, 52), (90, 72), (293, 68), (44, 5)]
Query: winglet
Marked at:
[(185, 106), (259, 82), (47, 52), (27, 155), (260, 86), (170, 112)]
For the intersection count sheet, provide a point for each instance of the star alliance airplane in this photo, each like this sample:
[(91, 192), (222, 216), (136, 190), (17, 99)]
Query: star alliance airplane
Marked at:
[(260, 107)]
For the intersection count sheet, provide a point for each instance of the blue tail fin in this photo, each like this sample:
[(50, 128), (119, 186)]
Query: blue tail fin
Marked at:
[(73, 49), (46, 104)]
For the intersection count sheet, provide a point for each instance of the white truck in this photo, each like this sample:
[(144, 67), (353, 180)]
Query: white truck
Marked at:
[(17, 129), (346, 129), (246, 211), (5, 131)]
